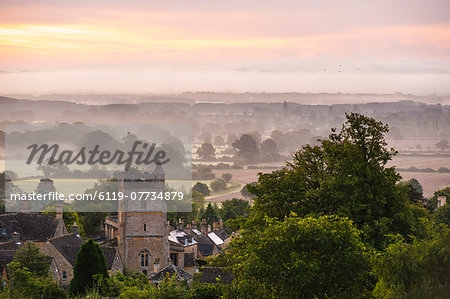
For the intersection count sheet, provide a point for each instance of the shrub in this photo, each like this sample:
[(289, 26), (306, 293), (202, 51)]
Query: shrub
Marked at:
[(227, 177), (90, 261), (218, 185), (202, 188), (206, 291)]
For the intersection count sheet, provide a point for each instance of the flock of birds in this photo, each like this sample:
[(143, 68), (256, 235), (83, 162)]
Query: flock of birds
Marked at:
[(340, 69)]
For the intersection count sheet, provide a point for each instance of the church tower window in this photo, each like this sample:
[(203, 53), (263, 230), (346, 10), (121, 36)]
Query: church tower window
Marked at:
[(144, 259)]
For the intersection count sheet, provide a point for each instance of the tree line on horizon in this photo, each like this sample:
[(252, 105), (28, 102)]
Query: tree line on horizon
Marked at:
[(336, 222)]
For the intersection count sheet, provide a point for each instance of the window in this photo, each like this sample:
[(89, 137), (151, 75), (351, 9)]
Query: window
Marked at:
[(145, 227), (144, 259), (64, 275)]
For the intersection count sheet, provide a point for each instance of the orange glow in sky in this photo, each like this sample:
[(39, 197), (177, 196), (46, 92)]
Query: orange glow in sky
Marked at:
[(387, 46)]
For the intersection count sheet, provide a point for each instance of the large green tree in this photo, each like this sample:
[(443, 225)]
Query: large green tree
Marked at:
[(202, 188), (206, 151), (90, 262), (211, 215), (26, 284), (233, 208), (345, 175), (218, 185), (415, 190), (29, 275), (300, 258), (247, 148), (417, 270), (30, 256)]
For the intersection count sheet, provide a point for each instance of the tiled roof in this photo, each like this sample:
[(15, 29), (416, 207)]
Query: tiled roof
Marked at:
[(205, 244), (68, 246), (206, 249), (175, 246), (196, 231), (7, 251), (31, 227), (170, 271), (110, 254), (181, 237), (211, 274), (221, 233)]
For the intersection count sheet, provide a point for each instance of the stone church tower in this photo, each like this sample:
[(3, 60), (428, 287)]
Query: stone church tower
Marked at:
[(143, 232)]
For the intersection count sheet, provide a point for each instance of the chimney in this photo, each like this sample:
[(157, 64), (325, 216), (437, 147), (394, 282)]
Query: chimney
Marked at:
[(188, 226), (209, 228), (220, 224), (75, 229), (25, 208), (180, 224), (59, 211), (215, 226), (442, 201), (203, 226), (194, 224), (168, 227), (16, 237)]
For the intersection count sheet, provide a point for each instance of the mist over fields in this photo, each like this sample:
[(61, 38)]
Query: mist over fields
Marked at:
[(290, 120)]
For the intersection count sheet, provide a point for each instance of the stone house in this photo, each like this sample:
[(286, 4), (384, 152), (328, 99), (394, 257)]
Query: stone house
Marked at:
[(183, 249), (49, 233)]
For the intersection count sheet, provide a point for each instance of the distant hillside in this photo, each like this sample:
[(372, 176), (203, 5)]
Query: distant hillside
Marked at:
[(192, 97)]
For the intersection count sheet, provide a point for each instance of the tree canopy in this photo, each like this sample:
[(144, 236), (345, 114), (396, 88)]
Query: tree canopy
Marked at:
[(211, 215), (300, 258), (90, 262), (344, 175), (206, 151), (247, 147), (202, 188), (29, 273), (233, 208), (417, 270), (30, 256)]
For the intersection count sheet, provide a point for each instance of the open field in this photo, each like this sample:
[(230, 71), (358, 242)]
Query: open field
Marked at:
[(430, 181), (242, 176), (404, 161)]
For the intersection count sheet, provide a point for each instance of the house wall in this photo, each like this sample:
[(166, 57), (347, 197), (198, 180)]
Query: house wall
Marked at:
[(58, 265)]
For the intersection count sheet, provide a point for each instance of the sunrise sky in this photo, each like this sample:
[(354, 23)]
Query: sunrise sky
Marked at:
[(174, 46)]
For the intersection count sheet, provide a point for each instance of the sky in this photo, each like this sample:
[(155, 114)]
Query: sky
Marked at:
[(158, 46)]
